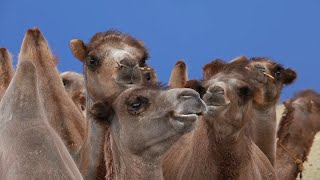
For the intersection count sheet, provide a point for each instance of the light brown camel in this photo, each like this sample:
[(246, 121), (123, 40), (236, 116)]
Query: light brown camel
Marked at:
[(271, 77), (298, 126), (143, 123), (112, 61), (219, 147), (179, 75), (74, 84), (61, 112), (29, 147), (6, 70)]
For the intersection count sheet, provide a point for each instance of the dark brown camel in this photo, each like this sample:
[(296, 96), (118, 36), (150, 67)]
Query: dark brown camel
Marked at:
[(219, 147), (298, 126), (270, 78), (62, 114), (6, 70), (29, 147), (145, 123), (113, 61)]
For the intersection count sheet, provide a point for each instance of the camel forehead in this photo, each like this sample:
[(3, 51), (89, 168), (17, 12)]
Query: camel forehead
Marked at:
[(119, 54), (226, 80)]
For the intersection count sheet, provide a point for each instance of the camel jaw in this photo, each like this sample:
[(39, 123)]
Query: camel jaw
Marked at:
[(183, 122)]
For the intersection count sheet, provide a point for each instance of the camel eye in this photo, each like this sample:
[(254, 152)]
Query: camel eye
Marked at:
[(148, 76), (138, 105), (93, 62)]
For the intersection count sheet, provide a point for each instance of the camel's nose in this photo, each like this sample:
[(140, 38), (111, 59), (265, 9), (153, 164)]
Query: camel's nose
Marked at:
[(217, 88), (188, 101), (260, 68), (128, 63)]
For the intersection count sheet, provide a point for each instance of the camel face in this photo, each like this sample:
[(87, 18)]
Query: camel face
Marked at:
[(228, 97), (272, 77), (148, 121), (74, 85), (113, 61), (305, 106)]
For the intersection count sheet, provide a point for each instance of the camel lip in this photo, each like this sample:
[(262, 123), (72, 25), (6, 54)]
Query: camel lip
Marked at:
[(183, 122)]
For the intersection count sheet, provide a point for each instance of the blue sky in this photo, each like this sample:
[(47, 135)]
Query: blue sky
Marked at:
[(196, 31)]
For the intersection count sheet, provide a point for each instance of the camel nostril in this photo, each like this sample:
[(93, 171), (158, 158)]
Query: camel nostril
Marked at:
[(216, 90), (260, 68)]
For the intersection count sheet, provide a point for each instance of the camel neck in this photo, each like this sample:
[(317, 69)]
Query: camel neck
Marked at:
[(226, 154), (292, 149), (265, 113), (128, 166)]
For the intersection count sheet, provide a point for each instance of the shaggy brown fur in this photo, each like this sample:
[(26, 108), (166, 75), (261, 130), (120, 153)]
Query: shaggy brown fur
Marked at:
[(6, 70), (299, 124)]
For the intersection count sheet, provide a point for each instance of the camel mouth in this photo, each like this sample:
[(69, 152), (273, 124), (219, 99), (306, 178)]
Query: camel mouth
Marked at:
[(217, 107), (183, 122)]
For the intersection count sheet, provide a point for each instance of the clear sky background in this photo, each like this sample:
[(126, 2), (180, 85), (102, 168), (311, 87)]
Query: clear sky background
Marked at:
[(197, 31)]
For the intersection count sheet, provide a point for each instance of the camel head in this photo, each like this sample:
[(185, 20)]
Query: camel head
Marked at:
[(229, 99), (113, 61), (302, 113), (74, 85), (146, 121), (271, 76)]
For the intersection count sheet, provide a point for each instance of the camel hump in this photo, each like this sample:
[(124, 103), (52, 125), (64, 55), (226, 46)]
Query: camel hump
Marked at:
[(21, 98), (26, 75), (4, 55), (35, 47)]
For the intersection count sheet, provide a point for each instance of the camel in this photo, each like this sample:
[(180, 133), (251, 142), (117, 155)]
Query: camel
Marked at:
[(114, 56), (179, 75), (143, 123), (271, 77), (6, 70), (219, 147), (113, 62), (74, 84), (298, 126), (29, 147), (61, 112)]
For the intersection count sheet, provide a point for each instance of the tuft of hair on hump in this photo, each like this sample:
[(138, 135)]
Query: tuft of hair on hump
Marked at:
[(213, 68), (114, 36)]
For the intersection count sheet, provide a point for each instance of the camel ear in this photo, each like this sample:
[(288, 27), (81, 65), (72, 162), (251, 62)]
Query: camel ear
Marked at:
[(102, 112), (197, 86), (287, 103), (212, 68), (78, 49), (289, 76)]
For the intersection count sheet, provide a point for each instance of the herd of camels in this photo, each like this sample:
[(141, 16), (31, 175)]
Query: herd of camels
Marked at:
[(116, 121)]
